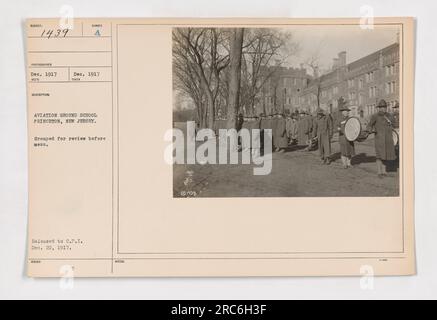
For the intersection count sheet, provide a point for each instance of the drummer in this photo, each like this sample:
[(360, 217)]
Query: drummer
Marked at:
[(347, 148), (381, 123)]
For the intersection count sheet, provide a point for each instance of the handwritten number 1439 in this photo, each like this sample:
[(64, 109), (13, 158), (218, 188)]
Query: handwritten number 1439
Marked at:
[(54, 33)]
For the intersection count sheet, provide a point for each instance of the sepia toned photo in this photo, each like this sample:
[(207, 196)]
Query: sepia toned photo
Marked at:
[(220, 147), (296, 111)]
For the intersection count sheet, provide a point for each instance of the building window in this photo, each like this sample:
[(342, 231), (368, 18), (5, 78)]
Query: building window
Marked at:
[(390, 87), (372, 92), (360, 99), (390, 70), (361, 84), (335, 90), (350, 83), (370, 76)]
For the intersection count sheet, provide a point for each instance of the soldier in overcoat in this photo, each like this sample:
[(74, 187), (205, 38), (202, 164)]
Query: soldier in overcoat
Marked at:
[(304, 127), (323, 131), (280, 134), (381, 123)]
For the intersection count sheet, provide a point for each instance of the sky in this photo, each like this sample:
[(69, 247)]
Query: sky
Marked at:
[(328, 41)]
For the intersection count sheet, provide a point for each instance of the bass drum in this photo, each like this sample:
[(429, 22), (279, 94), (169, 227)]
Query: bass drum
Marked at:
[(395, 135), (352, 129)]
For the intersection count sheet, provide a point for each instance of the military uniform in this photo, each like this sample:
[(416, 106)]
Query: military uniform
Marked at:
[(291, 127), (382, 124), (280, 134), (384, 146), (265, 124), (323, 131), (304, 127), (347, 148)]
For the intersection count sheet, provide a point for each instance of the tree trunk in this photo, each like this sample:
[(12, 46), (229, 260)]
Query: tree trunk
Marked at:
[(210, 110), (236, 43)]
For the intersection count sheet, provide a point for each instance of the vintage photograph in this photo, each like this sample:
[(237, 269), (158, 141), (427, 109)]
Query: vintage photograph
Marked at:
[(296, 111)]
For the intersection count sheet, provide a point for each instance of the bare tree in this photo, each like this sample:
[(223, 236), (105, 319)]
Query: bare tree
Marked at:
[(263, 47), (313, 63), (226, 68), (200, 56), (236, 44)]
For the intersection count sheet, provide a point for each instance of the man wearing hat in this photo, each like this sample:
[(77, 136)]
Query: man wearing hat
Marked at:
[(291, 127), (381, 123), (304, 128), (347, 148), (280, 134), (323, 131)]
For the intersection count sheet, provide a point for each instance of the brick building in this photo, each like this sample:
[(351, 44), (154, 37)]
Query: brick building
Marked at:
[(362, 83)]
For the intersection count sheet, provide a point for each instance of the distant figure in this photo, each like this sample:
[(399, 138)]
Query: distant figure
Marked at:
[(265, 124), (304, 127), (347, 148), (245, 145), (323, 131), (291, 127), (256, 138), (382, 124), (273, 124), (280, 134), (240, 122)]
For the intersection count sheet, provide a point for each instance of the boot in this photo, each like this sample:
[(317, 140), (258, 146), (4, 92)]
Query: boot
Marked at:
[(344, 161)]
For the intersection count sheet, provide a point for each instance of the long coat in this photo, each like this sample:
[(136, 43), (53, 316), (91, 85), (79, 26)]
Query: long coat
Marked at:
[(304, 127), (280, 134), (323, 130), (291, 127), (347, 148), (273, 125), (396, 119), (265, 124), (382, 124)]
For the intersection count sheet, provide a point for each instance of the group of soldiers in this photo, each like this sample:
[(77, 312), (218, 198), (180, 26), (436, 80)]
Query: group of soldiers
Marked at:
[(316, 132)]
